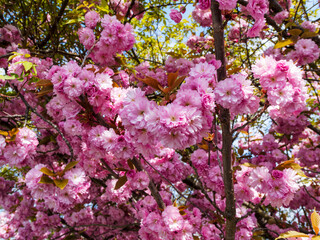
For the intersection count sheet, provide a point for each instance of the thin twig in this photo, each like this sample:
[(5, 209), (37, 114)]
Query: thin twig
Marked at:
[(216, 143), (266, 105), (55, 23), (205, 193), (47, 121), (109, 169), (154, 191), (171, 184), (311, 195)]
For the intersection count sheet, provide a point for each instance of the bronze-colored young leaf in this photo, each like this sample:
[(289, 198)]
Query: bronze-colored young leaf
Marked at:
[(234, 70), (291, 234), (284, 43), (172, 78), (240, 151), (47, 172), (45, 179), (61, 183), (182, 213), (250, 165), (289, 164), (4, 133), (181, 208), (315, 220), (150, 82), (121, 169), (295, 32), (43, 83), (178, 81), (130, 164), (309, 34), (70, 165), (121, 181)]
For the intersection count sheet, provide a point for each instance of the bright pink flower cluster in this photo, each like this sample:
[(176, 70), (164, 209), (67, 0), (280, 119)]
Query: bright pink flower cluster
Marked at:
[(236, 94), (20, 152), (227, 5), (114, 38), (284, 85), (238, 30), (306, 51), (279, 186), (175, 15), (127, 8), (200, 43), (203, 17), (55, 198), (9, 39)]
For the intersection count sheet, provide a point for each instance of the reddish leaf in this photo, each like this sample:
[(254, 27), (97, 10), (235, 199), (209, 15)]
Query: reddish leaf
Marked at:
[(121, 181)]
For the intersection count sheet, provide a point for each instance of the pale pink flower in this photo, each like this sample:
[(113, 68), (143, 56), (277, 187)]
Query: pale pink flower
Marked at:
[(172, 218), (73, 87)]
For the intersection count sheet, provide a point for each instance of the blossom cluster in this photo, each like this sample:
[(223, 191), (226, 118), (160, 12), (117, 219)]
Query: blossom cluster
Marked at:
[(54, 197), (124, 8), (306, 51), (286, 91), (9, 39), (19, 152), (113, 139), (236, 94), (203, 17), (114, 38), (199, 43)]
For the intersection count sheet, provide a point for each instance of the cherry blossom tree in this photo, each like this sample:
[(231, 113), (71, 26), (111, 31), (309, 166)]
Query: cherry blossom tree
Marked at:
[(127, 120)]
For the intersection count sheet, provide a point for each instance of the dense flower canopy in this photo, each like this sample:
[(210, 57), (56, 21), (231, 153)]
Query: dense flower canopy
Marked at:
[(219, 141)]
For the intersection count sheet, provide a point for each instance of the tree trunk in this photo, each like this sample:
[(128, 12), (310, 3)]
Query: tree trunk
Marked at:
[(224, 117)]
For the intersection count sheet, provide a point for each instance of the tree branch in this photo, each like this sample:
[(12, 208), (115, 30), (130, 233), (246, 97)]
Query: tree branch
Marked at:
[(224, 116), (47, 121), (55, 24), (153, 189)]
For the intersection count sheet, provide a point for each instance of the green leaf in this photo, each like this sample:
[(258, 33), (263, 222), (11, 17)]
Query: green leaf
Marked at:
[(6, 77), (61, 183), (76, 20), (70, 165), (292, 234), (47, 172), (121, 181), (45, 179), (104, 4), (34, 69), (284, 43), (27, 65), (13, 56)]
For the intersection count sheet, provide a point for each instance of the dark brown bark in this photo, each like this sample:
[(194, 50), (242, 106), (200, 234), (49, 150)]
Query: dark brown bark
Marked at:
[(152, 187), (55, 24), (224, 116)]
